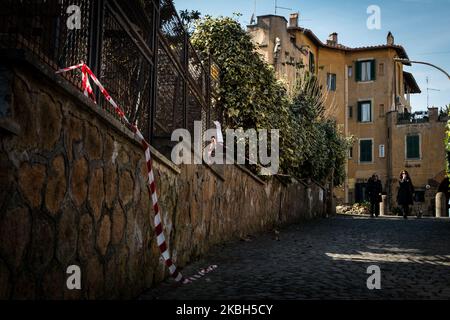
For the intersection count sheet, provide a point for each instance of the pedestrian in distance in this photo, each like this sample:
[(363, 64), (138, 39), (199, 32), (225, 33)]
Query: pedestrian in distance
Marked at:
[(374, 190), (405, 193)]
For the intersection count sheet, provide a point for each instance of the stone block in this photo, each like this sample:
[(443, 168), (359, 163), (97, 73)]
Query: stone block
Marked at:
[(49, 120), (67, 235), (25, 113), (79, 181), (31, 181), (104, 235), (93, 142), (96, 193), (15, 231), (126, 187), (86, 238), (56, 186), (118, 224), (42, 244), (93, 277), (110, 185)]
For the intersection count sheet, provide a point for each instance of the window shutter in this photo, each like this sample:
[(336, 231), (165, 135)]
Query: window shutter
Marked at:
[(412, 147), (373, 69), (359, 111), (408, 147), (358, 71), (366, 151)]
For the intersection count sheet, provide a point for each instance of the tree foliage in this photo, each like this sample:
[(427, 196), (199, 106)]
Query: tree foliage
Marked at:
[(447, 140), (251, 97)]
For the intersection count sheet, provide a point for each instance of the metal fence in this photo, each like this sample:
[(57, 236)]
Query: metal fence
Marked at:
[(138, 48)]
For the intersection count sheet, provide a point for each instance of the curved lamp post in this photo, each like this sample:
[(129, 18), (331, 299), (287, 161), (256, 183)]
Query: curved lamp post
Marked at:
[(421, 62)]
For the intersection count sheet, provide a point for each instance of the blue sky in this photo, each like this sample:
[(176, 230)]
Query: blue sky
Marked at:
[(421, 26)]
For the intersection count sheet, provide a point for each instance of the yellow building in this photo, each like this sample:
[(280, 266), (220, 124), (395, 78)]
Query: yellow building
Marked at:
[(368, 93)]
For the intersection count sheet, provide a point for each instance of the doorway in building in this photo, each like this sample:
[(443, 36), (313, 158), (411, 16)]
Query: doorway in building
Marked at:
[(361, 192), (445, 188)]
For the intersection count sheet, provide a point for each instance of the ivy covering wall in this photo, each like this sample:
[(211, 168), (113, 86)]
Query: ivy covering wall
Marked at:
[(250, 95)]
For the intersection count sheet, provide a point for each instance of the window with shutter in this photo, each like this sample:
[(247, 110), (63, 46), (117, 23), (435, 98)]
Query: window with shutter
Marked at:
[(365, 150), (365, 111), (358, 71), (331, 82), (372, 70), (312, 63), (413, 147), (365, 70)]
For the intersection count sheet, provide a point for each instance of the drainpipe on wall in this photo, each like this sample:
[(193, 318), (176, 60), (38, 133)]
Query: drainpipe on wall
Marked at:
[(346, 199)]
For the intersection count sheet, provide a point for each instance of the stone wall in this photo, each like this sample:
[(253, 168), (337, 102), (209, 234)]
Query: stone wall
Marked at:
[(73, 193)]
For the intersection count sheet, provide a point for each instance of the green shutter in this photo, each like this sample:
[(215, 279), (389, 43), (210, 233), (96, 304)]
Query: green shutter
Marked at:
[(412, 147), (373, 70), (359, 111), (365, 149), (358, 71)]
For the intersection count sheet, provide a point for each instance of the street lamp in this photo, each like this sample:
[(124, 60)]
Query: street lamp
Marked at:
[(421, 62)]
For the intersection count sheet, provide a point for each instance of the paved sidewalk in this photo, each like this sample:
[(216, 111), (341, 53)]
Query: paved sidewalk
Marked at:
[(327, 259)]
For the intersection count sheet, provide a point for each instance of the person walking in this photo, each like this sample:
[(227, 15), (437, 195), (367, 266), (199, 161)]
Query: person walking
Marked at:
[(405, 193), (374, 190)]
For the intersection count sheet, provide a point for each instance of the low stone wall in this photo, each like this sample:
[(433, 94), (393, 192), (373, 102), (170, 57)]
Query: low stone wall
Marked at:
[(73, 193)]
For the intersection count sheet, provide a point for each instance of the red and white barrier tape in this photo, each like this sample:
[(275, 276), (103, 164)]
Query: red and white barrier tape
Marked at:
[(160, 238)]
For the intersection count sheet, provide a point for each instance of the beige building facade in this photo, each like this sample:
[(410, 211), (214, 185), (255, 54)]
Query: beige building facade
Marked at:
[(368, 93)]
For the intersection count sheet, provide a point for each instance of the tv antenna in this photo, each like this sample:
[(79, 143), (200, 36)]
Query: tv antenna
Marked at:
[(277, 7), (428, 91)]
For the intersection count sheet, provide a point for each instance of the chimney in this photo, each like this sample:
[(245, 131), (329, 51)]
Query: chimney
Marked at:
[(293, 20), (332, 39), (433, 114), (390, 39)]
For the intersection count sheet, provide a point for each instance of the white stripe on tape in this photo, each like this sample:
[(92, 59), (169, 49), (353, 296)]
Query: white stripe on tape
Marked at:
[(157, 220), (160, 239), (166, 255)]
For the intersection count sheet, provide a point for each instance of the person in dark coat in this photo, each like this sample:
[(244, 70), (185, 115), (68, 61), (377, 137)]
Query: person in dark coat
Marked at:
[(405, 193), (374, 190)]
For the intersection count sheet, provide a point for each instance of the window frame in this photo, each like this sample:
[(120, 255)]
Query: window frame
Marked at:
[(330, 77), (381, 155), (360, 104), (373, 71)]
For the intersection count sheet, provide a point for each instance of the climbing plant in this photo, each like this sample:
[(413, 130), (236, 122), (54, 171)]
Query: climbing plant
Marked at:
[(252, 97), (447, 141)]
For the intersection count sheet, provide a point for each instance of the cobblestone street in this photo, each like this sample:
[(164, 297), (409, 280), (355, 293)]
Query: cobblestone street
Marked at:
[(327, 259)]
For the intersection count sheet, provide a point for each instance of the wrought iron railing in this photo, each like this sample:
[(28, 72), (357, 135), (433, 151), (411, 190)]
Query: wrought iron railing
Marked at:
[(139, 49), (407, 118)]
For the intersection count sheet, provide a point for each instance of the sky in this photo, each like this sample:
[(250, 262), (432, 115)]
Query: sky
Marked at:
[(422, 27)]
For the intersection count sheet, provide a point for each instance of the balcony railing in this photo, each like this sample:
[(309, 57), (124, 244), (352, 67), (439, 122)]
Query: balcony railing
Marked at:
[(417, 117)]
